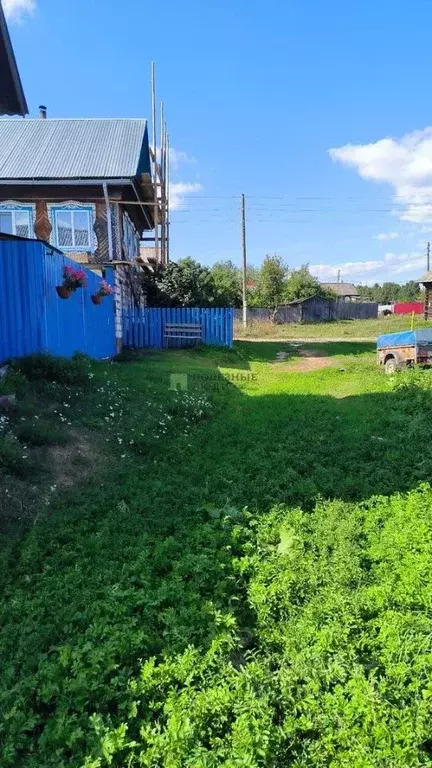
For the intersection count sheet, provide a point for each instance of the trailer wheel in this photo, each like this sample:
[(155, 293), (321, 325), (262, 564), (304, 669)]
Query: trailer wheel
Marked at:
[(391, 366)]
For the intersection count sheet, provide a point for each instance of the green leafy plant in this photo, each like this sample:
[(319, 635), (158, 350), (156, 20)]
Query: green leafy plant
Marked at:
[(196, 604), (75, 372), (41, 433)]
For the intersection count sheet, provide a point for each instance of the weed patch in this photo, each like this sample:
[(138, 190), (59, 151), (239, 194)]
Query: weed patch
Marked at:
[(238, 576), (41, 433), (75, 372)]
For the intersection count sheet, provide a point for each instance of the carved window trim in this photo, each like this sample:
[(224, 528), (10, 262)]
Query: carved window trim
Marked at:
[(13, 206), (72, 205)]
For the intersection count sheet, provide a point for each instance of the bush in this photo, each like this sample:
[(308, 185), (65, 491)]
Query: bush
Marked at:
[(75, 372), (41, 433), (15, 459), (13, 384), (340, 674)]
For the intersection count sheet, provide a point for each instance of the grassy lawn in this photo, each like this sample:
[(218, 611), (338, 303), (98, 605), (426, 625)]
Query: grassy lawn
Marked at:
[(360, 329), (237, 574)]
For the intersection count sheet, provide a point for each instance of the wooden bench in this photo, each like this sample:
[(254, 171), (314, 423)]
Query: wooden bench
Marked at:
[(186, 332)]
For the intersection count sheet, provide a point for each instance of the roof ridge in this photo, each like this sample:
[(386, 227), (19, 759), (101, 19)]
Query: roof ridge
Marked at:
[(60, 148), (77, 119)]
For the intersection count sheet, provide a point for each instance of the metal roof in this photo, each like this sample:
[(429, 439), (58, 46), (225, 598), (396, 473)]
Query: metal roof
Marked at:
[(426, 278), (342, 289), (90, 148), (12, 99)]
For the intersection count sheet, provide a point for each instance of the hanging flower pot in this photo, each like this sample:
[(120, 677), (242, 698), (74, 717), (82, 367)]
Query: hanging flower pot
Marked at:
[(105, 289), (72, 279), (63, 292)]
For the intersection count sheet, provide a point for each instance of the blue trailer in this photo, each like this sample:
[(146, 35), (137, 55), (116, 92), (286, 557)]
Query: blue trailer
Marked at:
[(397, 350)]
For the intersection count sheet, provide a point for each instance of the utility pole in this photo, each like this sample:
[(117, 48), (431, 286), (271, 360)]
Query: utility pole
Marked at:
[(428, 257), (243, 216)]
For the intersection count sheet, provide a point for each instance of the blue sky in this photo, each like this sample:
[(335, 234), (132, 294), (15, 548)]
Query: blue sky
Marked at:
[(317, 111)]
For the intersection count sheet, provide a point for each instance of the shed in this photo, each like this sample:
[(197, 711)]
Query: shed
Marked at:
[(343, 291)]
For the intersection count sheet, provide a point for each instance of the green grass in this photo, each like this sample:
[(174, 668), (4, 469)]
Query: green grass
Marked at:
[(361, 329), (208, 578)]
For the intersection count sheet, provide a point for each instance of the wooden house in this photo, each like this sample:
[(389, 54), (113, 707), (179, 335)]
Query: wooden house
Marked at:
[(84, 186), (426, 281)]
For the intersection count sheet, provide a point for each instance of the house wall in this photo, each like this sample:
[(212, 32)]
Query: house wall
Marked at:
[(43, 215), (43, 219)]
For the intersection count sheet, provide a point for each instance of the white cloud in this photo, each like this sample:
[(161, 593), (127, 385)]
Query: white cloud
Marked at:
[(404, 163), (178, 190), (15, 10), (177, 158), (387, 236), (391, 265)]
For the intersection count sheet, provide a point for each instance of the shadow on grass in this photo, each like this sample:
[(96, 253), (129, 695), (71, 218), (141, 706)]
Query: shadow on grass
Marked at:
[(265, 351), (139, 562)]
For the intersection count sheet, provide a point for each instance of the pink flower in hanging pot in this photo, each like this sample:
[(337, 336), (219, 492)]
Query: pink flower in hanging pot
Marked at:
[(72, 279), (105, 289)]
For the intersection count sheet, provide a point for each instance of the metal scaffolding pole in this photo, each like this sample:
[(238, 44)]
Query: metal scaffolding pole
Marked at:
[(155, 204)]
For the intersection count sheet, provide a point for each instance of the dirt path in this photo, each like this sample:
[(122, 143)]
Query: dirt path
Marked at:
[(320, 340), (310, 360)]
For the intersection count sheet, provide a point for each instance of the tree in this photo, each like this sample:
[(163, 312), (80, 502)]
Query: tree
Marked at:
[(389, 292), (227, 281), (272, 283), (301, 284), (150, 278), (186, 283), (410, 291), (252, 280), (180, 284)]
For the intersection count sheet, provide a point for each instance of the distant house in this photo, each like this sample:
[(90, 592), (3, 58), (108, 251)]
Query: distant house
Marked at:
[(343, 291), (12, 99)]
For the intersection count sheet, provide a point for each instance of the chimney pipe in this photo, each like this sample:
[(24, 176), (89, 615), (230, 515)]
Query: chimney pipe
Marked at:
[(42, 112)]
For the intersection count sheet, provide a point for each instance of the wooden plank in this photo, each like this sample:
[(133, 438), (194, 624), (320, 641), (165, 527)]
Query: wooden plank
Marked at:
[(193, 326)]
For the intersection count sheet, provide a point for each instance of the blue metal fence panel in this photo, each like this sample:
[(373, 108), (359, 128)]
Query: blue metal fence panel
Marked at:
[(33, 319), (21, 317), (76, 324), (146, 327)]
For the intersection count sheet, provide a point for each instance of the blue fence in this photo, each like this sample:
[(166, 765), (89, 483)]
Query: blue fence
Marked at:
[(147, 327), (34, 319)]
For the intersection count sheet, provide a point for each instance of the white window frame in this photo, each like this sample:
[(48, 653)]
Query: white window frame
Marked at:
[(58, 210), (13, 209)]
